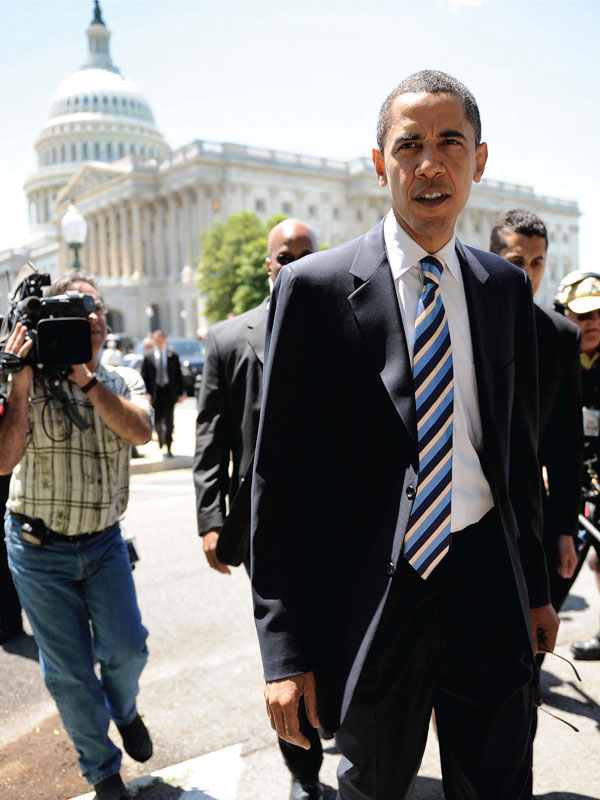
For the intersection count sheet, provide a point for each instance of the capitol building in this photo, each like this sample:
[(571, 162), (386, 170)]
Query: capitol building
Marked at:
[(146, 205)]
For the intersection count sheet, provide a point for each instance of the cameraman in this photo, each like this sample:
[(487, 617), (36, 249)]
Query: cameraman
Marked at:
[(578, 296), (69, 561)]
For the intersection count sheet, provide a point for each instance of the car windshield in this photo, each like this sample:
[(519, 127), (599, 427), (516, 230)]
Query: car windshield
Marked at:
[(188, 348)]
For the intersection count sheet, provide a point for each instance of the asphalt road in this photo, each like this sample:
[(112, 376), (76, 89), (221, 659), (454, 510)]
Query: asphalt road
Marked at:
[(202, 689)]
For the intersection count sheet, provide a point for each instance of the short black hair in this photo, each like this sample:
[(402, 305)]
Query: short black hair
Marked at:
[(430, 81), (518, 220), (64, 283)]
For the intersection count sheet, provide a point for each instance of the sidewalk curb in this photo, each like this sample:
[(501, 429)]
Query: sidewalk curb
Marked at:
[(141, 466), (213, 776)]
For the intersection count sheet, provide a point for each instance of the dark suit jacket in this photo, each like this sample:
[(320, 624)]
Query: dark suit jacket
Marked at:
[(561, 429), (227, 423), (175, 384), (337, 450)]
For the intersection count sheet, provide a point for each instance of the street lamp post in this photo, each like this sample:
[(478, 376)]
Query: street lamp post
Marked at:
[(149, 311), (74, 229)]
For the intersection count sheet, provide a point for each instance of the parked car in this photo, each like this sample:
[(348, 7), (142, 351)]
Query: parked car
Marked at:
[(191, 356)]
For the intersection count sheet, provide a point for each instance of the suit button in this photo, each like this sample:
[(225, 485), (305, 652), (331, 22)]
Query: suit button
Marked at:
[(391, 568), (410, 492)]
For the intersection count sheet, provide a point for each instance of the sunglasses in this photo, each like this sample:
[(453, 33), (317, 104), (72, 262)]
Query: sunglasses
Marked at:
[(286, 258)]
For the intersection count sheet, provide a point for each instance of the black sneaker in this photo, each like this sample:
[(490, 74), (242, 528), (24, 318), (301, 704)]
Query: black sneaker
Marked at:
[(111, 788), (136, 739)]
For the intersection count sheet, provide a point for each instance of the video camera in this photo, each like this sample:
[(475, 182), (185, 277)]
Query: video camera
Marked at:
[(58, 325)]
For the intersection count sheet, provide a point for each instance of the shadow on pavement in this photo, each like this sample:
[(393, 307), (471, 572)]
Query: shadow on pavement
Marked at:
[(563, 796), (163, 791), (428, 789), (24, 645), (574, 603), (584, 705)]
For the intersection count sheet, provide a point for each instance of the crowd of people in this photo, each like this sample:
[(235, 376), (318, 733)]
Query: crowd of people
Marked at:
[(394, 416)]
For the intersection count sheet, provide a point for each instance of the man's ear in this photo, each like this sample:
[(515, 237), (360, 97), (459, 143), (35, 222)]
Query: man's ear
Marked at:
[(377, 157), (269, 270), (481, 154)]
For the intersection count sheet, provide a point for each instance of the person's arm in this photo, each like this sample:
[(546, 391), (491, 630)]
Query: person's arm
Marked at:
[(280, 509), (13, 430), (563, 458), (124, 417), (178, 378), (524, 475), (211, 458)]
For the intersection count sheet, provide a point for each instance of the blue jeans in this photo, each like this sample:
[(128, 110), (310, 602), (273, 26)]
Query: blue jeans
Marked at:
[(80, 600)]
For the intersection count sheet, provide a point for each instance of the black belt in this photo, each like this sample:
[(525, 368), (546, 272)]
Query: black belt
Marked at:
[(36, 531)]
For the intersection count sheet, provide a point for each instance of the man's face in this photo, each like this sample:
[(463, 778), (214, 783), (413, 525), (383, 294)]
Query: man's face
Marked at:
[(590, 330), (97, 318), (428, 164), (159, 340), (527, 252), (287, 244)]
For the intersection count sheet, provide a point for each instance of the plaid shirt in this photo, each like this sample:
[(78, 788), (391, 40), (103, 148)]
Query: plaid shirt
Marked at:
[(75, 481)]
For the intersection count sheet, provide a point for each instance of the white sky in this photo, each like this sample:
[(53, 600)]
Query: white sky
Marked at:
[(309, 76)]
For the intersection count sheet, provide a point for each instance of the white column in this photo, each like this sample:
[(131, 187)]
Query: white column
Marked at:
[(114, 243), (172, 267), (188, 247), (92, 240), (136, 225), (147, 239), (125, 254), (159, 238), (102, 244)]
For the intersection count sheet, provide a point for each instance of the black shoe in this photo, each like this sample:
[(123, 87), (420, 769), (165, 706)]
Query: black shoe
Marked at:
[(111, 788), (311, 790), (588, 650), (136, 739)]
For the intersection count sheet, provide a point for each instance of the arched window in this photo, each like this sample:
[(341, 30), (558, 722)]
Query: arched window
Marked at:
[(73, 153)]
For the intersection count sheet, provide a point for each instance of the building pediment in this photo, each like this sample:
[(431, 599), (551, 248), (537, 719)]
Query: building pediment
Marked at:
[(89, 179)]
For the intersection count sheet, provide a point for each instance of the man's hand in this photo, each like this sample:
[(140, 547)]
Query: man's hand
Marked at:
[(544, 628), (19, 345), (80, 375), (283, 697), (567, 556), (209, 543)]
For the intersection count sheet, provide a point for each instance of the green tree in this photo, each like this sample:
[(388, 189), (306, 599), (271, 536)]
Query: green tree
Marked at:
[(232, 272)]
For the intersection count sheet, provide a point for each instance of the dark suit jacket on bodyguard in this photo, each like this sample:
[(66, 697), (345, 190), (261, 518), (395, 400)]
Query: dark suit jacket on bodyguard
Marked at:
[(561, 429), (227, 423), (175, 382), (337, 450)]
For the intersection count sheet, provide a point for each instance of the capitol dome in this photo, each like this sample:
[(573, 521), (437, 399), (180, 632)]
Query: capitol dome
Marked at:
[(96, 115)]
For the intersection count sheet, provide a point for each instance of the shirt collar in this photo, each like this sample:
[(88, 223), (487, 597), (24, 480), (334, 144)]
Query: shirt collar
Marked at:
[(404, 253)]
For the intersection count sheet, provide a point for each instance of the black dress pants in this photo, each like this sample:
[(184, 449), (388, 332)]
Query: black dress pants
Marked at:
[(457, 643), (163, 415), (303, 764)]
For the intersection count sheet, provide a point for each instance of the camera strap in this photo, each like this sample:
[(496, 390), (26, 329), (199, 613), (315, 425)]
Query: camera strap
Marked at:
[(68, 405)]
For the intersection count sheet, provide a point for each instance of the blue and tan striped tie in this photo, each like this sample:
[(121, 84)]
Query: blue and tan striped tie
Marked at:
[(428, 532)]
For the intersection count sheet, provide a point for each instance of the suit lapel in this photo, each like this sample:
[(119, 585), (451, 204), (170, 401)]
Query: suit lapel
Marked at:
[(256, 330), (375, 306), (483, 322)]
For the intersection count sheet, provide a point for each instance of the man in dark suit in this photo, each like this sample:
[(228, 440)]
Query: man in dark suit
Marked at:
[(521, 238), (226, 429), (161, 372), (396, 464)]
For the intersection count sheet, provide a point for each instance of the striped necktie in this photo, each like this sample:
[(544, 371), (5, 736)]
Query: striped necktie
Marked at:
[(428, 531)]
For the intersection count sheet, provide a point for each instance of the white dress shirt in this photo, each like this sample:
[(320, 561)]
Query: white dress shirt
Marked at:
[(471, 493)]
